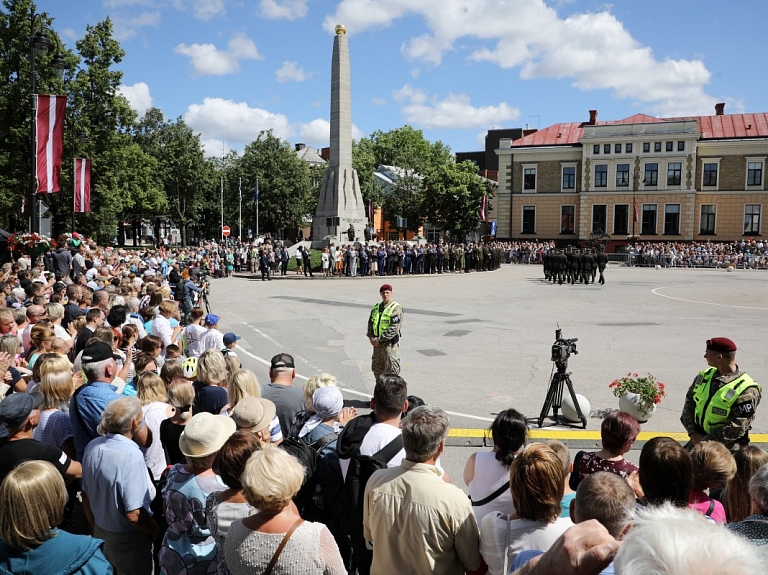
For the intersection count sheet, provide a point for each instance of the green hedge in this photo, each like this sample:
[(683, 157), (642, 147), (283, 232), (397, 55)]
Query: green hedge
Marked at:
[(316, 257)]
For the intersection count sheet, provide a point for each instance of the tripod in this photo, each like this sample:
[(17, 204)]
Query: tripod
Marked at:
[(555, 398)]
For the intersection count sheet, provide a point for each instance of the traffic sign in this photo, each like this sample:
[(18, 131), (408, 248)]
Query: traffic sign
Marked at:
[(225, 231)]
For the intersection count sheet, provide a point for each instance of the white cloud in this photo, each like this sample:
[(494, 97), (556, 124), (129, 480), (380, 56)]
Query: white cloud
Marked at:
[(138, 97), (283, 9), (453, 112), (379, 101), (202, 9), (593, 49), (292, 72), (217, 119), (127, 27), (317, 133), (208, 60)]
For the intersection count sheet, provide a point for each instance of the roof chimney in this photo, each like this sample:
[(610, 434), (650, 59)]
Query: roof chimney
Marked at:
[(592, 117), (719, 109), (300, 147)]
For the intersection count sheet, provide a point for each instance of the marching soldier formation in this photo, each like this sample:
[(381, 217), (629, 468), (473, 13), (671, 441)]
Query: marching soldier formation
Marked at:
[(574, 265)]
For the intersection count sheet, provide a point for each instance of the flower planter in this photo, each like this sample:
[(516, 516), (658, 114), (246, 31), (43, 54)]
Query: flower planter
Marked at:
[(630, 403)]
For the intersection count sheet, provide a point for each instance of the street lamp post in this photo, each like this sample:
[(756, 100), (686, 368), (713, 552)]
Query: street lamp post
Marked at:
[(39, 45)]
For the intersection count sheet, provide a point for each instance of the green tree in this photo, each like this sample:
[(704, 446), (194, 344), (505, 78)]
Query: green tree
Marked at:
[(285, 199), (16, 103), (453, 196)]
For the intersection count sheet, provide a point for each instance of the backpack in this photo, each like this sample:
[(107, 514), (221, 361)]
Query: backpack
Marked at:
[(306, 453), (361, 467)]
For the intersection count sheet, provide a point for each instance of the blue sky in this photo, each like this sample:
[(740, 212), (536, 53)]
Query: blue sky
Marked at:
[(452, 68)]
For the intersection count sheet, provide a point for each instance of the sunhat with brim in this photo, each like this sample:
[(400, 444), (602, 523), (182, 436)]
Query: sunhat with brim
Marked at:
[(205, 434), (253, 413)]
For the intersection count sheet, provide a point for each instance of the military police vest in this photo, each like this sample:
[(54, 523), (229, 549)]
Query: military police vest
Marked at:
[(381, 320), (715, 411)]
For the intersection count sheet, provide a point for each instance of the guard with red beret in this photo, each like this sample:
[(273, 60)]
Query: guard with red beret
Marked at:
[(384, 333), (721, 403)]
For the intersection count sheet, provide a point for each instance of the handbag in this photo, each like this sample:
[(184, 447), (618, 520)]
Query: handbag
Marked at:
[(280, 547)]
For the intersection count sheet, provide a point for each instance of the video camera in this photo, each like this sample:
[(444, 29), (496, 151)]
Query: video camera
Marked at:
[(563, 348)]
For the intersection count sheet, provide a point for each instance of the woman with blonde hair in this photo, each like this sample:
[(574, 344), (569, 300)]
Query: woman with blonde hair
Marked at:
[(57, 388), (271, 479), (181, 395), (735, 496), (55, 313), (41, 336), (32, 500), (537, 483), (212, 374), (310, 387), (245, 384), (150, 390)]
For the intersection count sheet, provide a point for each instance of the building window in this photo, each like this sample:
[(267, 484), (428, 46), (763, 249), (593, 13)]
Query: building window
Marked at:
[(622, 175), (601, 176), (651, 177), (566, 219), (674, 171), (617, 148), (606, 149), (707, 222), (648, 226), (752, 219), (596, 149), (599, 218), (647, 147), (628, 148), (569, 177), (681, 146), (621, 219), (669, 146), (529, 220), (672, 219), (657, 146), (710, 175), (754, 173), (529, 179)]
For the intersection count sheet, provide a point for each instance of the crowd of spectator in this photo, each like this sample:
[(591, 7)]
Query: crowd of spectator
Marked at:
[(138, 444)]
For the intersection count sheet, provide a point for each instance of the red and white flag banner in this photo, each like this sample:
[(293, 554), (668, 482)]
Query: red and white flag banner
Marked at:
[(49, 131), (484, 209), (82, 185)]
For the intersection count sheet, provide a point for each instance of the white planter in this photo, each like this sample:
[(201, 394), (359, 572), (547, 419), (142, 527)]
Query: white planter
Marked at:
[(628, 403)]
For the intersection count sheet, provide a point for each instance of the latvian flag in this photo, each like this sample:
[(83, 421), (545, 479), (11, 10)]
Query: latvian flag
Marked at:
[(49, 126), (484, 209), (82, 185)]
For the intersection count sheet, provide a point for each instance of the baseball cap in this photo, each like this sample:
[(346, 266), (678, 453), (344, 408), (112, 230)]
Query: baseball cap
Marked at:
[(15, 408), (282, 360), (98, 351), (59, 286), (230, 338), (212, 319), (721, 345)]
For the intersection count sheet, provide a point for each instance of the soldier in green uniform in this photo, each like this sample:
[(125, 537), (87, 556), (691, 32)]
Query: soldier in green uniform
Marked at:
[(384, 333), (601, 260), (721, 403)]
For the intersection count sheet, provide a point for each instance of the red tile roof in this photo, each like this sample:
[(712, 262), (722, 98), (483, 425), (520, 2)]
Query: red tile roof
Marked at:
[(727, 126)]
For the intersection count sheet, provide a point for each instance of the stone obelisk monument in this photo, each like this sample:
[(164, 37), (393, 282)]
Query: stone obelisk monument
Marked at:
[(341, 202)]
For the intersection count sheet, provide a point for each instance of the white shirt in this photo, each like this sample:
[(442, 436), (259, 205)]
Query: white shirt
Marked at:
[(59, 331), (161, 327), (211, 339), (194, 333)]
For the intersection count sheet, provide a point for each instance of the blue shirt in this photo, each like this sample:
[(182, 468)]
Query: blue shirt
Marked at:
[(89, 402), (116, 480)]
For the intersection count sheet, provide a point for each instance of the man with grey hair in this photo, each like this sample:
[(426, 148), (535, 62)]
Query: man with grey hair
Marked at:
[(118, 491), (132, 306), (91, 399), (411, 516)]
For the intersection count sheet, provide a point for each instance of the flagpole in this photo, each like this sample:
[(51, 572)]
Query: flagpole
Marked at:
[(240, 225), (222, 209), (257, 208)]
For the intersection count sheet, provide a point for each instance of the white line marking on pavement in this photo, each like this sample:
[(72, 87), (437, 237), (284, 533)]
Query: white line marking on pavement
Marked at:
[(655, 292), (354, 391)]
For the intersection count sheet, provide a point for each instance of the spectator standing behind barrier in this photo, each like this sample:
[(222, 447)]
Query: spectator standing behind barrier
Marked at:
[(486, 474), (32, 500), (755, 526), (446, 540), (117, 489)]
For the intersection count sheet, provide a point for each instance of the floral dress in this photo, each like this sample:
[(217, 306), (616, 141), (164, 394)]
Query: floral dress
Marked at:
[(188, 546)]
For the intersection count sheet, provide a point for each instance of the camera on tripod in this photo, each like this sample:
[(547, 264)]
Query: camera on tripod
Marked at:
[(563, 348)]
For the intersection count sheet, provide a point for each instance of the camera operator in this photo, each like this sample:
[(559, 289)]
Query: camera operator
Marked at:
[(186, 287)]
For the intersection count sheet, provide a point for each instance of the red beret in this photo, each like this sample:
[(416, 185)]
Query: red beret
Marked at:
[(721, 345), (385, 287)]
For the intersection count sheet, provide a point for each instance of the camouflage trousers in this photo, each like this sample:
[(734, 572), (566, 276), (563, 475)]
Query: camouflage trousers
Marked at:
[(385, 359)]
